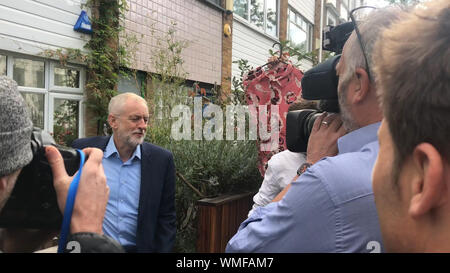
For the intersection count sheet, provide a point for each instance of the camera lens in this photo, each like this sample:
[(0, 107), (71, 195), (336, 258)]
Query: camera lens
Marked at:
[(309, 123)]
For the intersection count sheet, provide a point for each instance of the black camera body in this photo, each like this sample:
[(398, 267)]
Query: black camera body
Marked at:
[(33, 202), (318, 83)]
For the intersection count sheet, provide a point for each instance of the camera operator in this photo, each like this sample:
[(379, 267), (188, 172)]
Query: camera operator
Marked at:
[(330, 208), (16, 153), (411, 177)]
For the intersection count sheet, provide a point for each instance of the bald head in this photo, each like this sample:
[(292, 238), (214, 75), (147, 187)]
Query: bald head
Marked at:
[(116, 105)]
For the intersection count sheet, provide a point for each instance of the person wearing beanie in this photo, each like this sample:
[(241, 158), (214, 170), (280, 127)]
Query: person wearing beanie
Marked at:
[(15, 135), (15, 153)]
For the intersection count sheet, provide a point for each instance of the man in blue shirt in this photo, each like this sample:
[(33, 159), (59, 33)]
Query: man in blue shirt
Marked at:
[(411, 177), (331, 208), (141, 177)]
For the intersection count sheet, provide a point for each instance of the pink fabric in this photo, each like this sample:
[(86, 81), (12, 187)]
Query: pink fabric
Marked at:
[(279, 85)]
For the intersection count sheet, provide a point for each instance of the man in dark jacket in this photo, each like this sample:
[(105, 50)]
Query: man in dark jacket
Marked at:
[(141, 209), (15, 153)]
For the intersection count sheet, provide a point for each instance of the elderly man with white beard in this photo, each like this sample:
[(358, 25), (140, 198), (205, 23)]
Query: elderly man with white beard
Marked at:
[(140, 213)]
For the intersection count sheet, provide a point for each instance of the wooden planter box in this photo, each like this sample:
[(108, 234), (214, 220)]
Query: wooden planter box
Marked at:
[(219, 219)]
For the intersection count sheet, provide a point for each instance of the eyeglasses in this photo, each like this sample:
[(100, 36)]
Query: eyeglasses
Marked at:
[(358, 34), (137, 119)]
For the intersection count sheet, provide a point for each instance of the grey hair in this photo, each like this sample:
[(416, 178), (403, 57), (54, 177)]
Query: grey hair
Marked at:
[(370, 29), (116, 103)]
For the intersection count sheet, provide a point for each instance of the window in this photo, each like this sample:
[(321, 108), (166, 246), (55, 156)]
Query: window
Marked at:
[(272, 17), (36, 107), (257, 13), (333, 2), (300, 31), (2, 65), (134, 83), (240, 7), (66, 120), (214, 3), (53, 93), (65, 77), (263, 14), (29, 73), (344, 13), (331, 19)]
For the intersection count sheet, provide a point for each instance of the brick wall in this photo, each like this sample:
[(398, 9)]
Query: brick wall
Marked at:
[(197, 23)]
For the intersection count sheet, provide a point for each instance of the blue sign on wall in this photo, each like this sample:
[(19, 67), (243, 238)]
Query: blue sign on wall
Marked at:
[(83, 23)]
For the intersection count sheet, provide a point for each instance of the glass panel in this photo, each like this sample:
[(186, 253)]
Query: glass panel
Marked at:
[(344, 12), (35, 104), (272, 18), (257, 13), (129, 84), (2, 65), (299, 20), (291, 16), (240, 7), (67, 77), (65, 121), (331, 21), (296, 35), (29, 73)]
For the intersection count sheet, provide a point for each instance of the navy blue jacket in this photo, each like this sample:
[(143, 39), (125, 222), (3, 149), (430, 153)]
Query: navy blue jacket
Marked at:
[(156, 223)]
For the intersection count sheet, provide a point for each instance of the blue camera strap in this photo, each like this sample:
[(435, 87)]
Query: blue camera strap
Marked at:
[(70, 201)]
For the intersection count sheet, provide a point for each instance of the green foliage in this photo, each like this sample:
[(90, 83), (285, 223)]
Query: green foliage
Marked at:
[(210, 167), (107, 57), (65, 128), (65, 55), (213, 168), (295, 52), (237, 84)]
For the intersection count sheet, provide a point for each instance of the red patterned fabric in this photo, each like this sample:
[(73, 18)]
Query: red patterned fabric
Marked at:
[(279, 85)]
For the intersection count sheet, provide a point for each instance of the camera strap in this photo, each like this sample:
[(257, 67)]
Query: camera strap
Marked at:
[(70, 201)]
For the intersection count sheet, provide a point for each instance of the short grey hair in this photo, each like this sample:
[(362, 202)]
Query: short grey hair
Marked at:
[(370, 29), (116, 103)]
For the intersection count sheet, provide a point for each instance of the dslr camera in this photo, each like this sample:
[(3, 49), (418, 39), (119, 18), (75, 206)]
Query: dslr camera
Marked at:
[(33, 202), (318, 83)]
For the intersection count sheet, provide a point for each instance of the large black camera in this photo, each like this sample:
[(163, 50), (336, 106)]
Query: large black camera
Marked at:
[(318, 83), (33, 202)]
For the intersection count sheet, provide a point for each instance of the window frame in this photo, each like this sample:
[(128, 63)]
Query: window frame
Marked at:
[(51, 108), (65, 89), (264, 27), (10, 72), (305, 26), (6, 64), (332, 17), (50, 91)]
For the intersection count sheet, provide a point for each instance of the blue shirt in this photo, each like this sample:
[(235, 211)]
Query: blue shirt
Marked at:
[(330, 208), (124, 181)]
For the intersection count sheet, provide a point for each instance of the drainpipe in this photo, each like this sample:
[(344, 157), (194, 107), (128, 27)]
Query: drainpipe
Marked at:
[(321, 30)]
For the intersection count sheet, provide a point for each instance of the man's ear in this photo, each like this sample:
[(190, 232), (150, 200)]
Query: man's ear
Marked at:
[(362, 86), (3, 183), (112, 120), (429, 189)]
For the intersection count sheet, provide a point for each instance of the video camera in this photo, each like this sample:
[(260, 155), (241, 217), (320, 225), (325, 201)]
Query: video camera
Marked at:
[(318, 83), (33, 202)]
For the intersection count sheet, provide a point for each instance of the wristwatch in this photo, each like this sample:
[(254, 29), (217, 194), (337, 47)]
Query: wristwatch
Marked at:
[(303, 168)]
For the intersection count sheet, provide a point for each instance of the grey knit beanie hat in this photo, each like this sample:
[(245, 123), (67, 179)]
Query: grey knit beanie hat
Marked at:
[(15, 128)]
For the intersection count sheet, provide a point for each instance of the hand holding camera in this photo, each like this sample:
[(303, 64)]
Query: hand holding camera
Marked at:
[(324, 135), (92, 195)]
